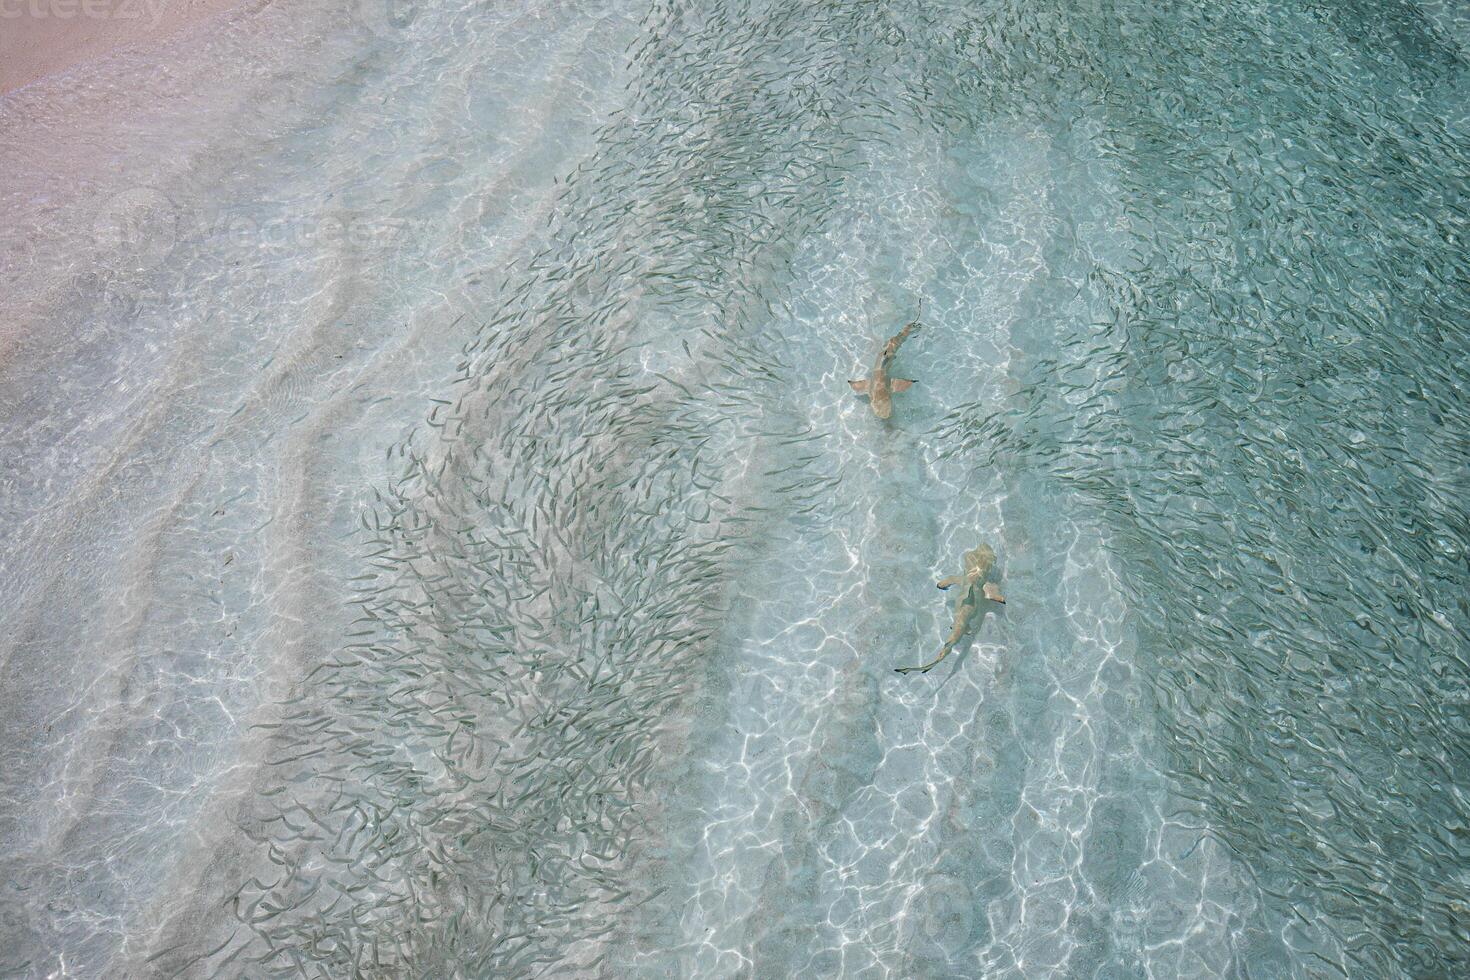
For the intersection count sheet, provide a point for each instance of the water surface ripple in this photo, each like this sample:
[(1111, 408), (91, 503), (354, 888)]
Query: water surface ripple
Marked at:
[(600, 680)]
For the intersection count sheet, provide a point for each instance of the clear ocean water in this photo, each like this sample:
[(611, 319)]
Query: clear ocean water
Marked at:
[(437, 538)]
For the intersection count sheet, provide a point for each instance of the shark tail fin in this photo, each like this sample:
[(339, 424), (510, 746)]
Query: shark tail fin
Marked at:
[(925, 668), (861, 387)]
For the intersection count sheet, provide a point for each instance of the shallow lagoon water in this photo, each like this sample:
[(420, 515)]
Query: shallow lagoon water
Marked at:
[(445, 542)]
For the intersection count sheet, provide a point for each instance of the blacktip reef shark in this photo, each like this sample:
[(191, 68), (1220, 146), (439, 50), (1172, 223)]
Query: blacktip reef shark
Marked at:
[(878, 386), (973, 588)]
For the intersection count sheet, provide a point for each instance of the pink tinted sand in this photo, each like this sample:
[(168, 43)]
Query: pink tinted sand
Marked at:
[(41, 37)]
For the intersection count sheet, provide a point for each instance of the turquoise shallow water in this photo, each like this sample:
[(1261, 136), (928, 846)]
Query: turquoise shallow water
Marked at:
[(446, 543)]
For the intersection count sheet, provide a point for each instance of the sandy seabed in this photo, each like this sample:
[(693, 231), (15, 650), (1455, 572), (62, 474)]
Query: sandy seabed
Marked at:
[(442, 540)]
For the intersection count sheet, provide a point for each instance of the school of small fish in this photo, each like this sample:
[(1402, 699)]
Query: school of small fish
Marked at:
[(1210, 261), (539, 572), (539, 587)]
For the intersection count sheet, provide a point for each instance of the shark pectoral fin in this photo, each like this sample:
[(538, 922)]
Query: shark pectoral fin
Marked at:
[(946, 583), (861, 387), (900, 384), (992, 592)]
